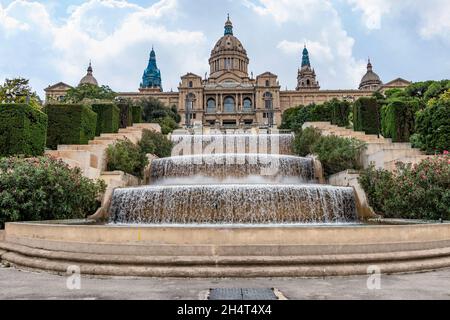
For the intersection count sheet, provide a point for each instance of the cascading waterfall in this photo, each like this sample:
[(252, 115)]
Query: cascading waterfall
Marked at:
[(229, 168), (233, 143), (243, 204), (233, 179)]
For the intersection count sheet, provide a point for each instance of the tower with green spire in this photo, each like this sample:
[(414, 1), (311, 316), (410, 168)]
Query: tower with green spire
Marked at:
[(152, 75), (305, 58), (306, 78)]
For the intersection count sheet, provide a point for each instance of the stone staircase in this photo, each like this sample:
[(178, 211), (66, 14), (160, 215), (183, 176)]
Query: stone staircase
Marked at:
[(91, 158), (382, 152)]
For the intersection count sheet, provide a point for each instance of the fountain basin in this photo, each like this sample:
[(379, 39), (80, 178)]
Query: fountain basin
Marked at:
[(226, 251)]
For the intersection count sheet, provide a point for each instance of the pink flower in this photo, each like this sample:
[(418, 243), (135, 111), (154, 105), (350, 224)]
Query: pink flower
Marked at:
[(446, 152)]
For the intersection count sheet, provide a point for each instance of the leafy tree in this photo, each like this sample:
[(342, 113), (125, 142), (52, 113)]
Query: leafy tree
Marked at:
[(18, 90), (305, 140), (155, 143), (154, 111), (433, 125), (89, 91)]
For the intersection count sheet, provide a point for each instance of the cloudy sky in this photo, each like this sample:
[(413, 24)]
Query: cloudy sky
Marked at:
[(53, 40)]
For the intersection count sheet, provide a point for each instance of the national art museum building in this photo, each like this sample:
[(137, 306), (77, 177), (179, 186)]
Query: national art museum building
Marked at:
[(230, 97)]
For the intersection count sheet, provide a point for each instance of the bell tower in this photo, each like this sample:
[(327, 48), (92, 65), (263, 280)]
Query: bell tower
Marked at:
[(306, 77)]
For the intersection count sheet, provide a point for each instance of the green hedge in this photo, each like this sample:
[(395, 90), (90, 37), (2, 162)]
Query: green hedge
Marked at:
[(137, 114), (107, 118), (340, 111), (433, 126), (126, 114), (366, 115), (294, 118), (23, 130), (397, 119), (70, 124)]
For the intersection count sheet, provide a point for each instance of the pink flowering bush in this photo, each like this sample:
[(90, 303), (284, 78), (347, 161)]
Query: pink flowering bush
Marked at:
[(420, 191), (45, 189)]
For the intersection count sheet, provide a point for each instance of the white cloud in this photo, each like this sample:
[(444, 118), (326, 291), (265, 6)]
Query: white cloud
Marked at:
[(116, 35), (331, 51), (373, 11), (435, 19)]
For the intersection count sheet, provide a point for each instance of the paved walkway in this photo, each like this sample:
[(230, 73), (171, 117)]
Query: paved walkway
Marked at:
[(17, 284)]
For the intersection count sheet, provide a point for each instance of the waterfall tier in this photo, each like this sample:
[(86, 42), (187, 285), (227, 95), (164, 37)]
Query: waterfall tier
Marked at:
[(233, 204), (229, 168), (238, 143)]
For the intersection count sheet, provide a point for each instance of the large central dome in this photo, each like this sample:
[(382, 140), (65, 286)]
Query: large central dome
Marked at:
[(228, 56)]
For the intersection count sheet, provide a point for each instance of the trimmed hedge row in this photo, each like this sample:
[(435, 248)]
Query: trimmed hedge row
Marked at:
[(366, 115), (70, 124), (23, 130), (108, 115), (340, 111), (126, 114), (397, 119), (137, 114)]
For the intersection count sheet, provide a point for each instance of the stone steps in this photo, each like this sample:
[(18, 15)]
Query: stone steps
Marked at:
[(379, 150), (223, 266), (91, 158)]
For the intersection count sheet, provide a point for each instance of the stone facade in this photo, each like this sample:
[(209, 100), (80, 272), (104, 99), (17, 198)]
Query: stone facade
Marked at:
[(230, 98)]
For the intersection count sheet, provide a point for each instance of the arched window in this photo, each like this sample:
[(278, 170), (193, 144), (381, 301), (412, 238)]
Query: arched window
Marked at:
[(308, 82), (229, 104), (191, 84), (268, 100), (267, 83), (248, 104), (211, 106)]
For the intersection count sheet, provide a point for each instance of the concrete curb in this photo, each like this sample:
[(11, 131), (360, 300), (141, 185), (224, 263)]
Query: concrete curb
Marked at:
[(225, 271), (215, 266)]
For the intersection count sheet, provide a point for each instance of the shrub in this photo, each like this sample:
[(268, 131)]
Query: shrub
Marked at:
[(338, 154), (155, 143), (433, 125), (127, 157), (421, 191), (397, 119), (340, 111), (45, 189), (137, 114), (107, 118), (305, 140), (23, 130), (126, 113), (366, 115), (167, 124), (70, 124)]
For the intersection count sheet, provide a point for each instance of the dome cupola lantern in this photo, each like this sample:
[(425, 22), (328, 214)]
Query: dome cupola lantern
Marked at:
[(228, 56), (371, 81), (89, 77)]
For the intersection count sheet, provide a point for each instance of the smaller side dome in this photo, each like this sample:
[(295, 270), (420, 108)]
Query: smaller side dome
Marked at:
[(89, 77), (371, 80)]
